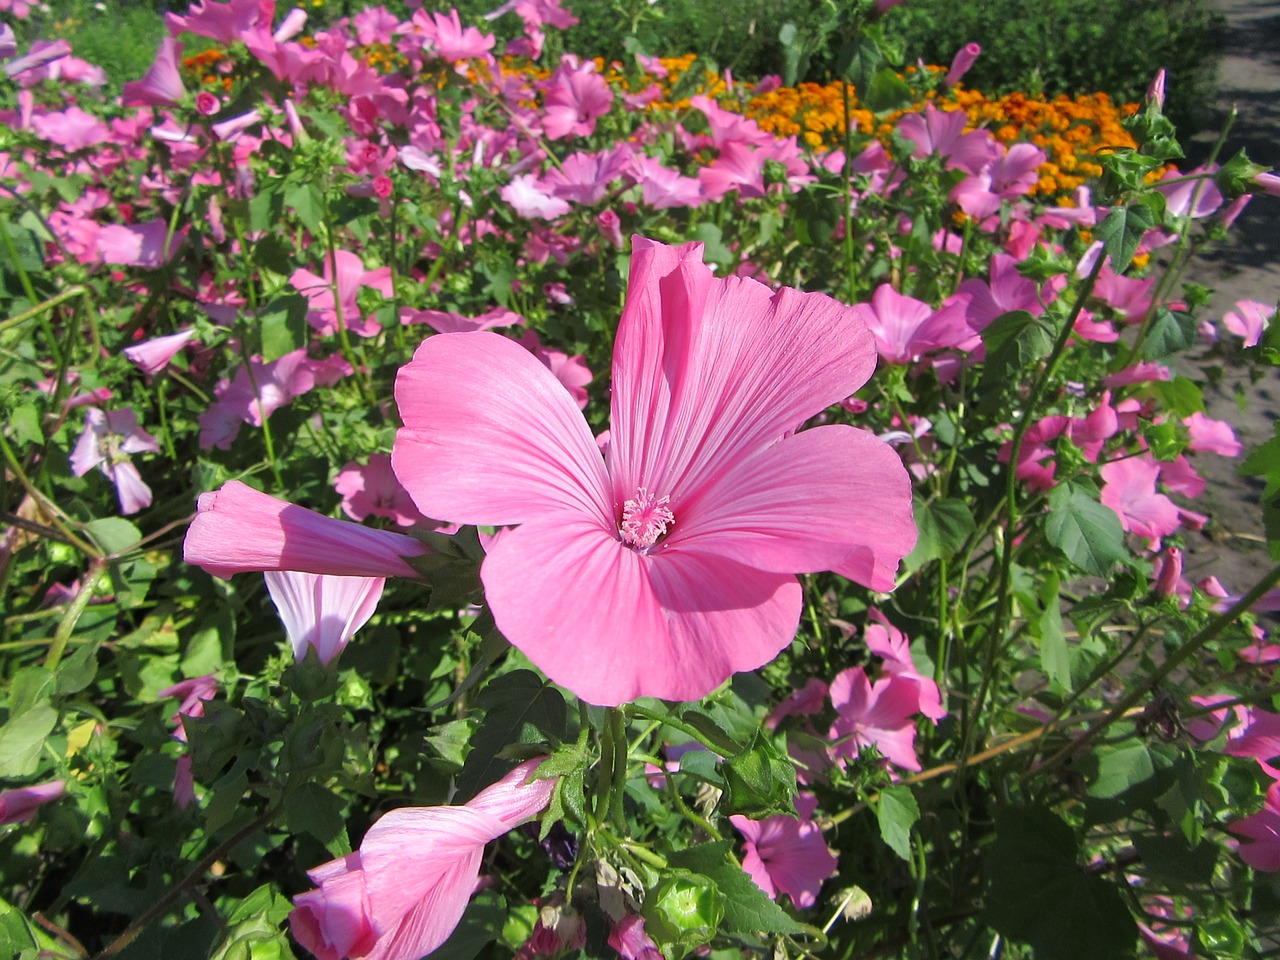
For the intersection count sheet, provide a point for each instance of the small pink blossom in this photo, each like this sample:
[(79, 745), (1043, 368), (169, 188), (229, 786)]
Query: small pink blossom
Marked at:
[(448, 39), (571, 371), (964, 59), (252, 397), (905, 328), (402, 893), (1249, 320), (576, 95), (787, 854), (107, 440), (1212, 436), (880, 715), (892, 646), (162, 84), (627, 936), (326, 311), (373, 491), (532, 200), (148, 245)]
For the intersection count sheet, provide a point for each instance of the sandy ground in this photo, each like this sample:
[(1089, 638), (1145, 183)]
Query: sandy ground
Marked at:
[(1245, 266)]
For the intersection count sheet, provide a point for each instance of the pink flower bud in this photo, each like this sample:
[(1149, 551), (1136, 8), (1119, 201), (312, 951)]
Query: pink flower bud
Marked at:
[(1155, 92), (964, 59), (1168, 571)]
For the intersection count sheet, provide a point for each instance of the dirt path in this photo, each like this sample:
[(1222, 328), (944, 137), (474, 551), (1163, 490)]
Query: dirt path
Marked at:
[(1245, 266)]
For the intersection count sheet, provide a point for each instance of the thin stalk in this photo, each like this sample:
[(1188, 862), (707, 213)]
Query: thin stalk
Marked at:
[(75, 609), (18, 319)]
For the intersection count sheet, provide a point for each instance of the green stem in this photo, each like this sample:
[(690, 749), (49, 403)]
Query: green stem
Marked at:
[(75, 609), (21, 318)]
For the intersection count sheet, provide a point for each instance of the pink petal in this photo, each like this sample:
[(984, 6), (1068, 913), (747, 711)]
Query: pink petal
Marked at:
[(512, 424), (322, 611), (613, 625), (797, 506)]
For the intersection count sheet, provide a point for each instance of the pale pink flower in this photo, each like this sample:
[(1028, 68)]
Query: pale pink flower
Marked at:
[(1260, 737), (20, 804), (152, 356), (239, 529), (373, 491), (1142, 372), (585, 177), (1249, 319), (571, 371), (148, 245), (402, 893), (161, 86), (72, 129), (446, 321), (805, 702), (224, 22), (322, 612), (448, 39), (252, 398), (787, 854), (1129, 488), (42, 52), (1212, 436), (1193, 198), (941, 132), (532, 199), (351, 276), (1268, 183), (880, 715), (575, 96), (1013, 174), (663, 188), (673, 565), (107, 439)]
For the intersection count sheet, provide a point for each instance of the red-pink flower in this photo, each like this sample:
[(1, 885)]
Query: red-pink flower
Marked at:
[(906, 328), (402, 893), (672, 566), (373, 490), (575, 96), (351, 276), (20, 805), (323, 612), (787, 854), (152, 356), (239, 529), (1262, 829), (1249, 319)]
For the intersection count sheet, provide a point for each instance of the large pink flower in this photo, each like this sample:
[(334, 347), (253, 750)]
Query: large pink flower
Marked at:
[(401, 894), (672, 566), (787, 854)]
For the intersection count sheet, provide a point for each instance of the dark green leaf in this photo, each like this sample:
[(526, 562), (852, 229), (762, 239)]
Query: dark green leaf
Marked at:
[(284, 326), (113, 534), (307, 202), (1086, 531), (1122, 231), (1015, 341), (747, 910), (943, 527), (517, 708), (1171, 331), (761, 780), (1038, 894), (481, 924), (897, 811), (310, 808)]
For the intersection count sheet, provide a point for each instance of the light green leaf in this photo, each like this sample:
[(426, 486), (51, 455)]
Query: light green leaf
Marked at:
[(1088, 532), (897, 812)]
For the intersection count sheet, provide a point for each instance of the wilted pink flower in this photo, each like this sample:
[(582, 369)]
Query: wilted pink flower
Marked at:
[(610, 228), (373, 491), (445, 321), (1249, 319), (106, 439), (322, 612), (787, 855), (162, 84), (1129, 488), (402, 893), (880, 715), (682, 549), (192, 693), (1155, 89), (20, 805), (42, 52), (239, 529), (152, 356), (964, 59), (558, 929)]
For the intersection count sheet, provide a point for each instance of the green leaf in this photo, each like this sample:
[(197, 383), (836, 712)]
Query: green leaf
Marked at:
[(517, 708), (1088, 532), (284, 326), (1168, 858), (1014, 342), (22, 739), (78, 670), (1181, 396), (887, 91), (1120, 770), (1171, 331), (943, 527), (747, 910), (1055, 655), (1264, 461), (25, 422), (713, 248), (1122, 231), (1038, 894), (761, 780), (307, 202), (897, 811), (310, 808), (113, 535)]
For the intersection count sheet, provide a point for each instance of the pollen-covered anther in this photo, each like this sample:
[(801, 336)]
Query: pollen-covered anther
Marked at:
[(645, 519)]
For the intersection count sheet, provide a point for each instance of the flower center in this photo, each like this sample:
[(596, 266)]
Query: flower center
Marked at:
[(645, 519)]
